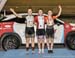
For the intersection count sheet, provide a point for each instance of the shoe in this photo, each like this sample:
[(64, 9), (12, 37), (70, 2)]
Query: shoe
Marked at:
[(33, 52), (50, 51)]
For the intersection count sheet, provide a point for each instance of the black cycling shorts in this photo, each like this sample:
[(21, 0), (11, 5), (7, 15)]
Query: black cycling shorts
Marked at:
[(40, 32), (29, 30), (50, 31)]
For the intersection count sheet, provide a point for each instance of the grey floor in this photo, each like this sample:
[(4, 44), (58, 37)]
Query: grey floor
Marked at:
[(21, 53)]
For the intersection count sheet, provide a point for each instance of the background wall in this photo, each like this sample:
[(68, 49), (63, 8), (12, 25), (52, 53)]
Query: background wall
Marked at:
[(22, 5)]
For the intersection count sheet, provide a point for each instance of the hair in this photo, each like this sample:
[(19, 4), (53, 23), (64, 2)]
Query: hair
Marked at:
[(40, 9), (29, 7)]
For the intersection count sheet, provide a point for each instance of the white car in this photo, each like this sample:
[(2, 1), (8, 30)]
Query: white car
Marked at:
[(12, 32)]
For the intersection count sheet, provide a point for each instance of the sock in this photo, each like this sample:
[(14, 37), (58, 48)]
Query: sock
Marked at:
[(48, 48), (39, 50), (51, 48), (33, 48), (42, 50)]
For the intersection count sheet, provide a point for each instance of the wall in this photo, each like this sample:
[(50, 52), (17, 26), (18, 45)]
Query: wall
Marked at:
[(22, 5)]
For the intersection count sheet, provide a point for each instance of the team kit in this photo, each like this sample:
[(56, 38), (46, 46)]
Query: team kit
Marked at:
[(40, 21)]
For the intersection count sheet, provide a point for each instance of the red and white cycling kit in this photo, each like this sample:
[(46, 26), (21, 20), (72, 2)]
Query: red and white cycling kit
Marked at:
[(40, 21)]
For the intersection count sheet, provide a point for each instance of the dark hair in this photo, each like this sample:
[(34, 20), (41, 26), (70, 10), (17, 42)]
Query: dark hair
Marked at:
[(40, 9), (29, 7)]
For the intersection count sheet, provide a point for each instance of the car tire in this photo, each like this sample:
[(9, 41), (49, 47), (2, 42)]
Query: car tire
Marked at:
[(10, 41), (70, 40)]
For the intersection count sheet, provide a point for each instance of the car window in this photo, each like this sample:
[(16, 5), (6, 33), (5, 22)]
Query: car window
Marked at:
[(18, 20), (57, 22), (1, 18)]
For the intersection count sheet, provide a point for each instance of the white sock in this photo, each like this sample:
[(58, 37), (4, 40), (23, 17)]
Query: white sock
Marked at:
[(48, 48), (51, 49), (39, 50), (42, 50)]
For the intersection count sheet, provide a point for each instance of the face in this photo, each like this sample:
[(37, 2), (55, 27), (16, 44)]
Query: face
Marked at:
[(40, 12), (29, 11), (50, 13)]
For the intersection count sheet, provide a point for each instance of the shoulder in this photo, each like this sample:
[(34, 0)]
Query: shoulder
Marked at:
[(32, 16), (36, 17), (45, 16)]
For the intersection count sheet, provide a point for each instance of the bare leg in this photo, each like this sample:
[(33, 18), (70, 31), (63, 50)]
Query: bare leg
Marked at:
[(27, 43), (43, 44), (48, 42), (52, 43), (33, 44), (39, 44), (51, 40)]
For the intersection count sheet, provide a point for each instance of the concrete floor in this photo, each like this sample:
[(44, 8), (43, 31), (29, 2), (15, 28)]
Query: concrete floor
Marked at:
[(21, 53), (59, 52)]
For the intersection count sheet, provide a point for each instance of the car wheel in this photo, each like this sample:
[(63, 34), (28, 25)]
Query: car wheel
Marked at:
[(70, 40), (10, 41)]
